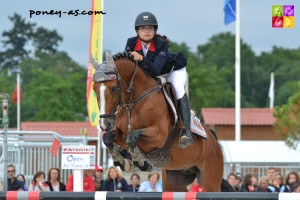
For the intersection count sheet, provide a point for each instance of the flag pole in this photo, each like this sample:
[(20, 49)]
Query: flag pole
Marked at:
[(237, 75), (272, 91), (18, 99)]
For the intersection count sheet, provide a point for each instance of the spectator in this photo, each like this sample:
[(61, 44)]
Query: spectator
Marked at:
[(38, 183), (98, 178), (263, 184), (196, 187), (232, 179), (292, 179), (239, 180), (135, 182), (21, 178), (277, 184), (152, 185), (54, 180), (13, 184), (115, 181), (249, 184), (270, 172), (88, 182)]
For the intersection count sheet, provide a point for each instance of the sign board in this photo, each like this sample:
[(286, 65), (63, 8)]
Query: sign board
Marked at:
[(78, 157)]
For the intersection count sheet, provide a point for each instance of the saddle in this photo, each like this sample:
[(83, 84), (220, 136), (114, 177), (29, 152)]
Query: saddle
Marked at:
[(170, 97)]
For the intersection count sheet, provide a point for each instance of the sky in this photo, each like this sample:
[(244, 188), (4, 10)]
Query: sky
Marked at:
[(189, 21)]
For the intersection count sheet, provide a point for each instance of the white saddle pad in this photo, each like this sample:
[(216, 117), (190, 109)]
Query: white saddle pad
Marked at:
[(196, 126)]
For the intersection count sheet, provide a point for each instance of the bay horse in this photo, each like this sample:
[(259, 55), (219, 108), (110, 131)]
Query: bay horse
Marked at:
[(137, 118)]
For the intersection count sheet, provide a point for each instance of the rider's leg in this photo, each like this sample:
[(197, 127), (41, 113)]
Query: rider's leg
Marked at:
[(178, 80)]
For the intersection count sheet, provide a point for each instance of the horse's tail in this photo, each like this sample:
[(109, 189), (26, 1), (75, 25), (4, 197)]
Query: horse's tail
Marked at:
[(226, 187)]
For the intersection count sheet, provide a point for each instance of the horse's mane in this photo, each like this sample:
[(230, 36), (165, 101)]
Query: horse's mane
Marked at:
[(123, 55)]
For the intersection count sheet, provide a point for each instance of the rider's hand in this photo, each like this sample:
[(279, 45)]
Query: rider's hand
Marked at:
[(136, 56)]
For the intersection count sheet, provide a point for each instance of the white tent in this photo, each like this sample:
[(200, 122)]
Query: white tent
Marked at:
[(259, 152)]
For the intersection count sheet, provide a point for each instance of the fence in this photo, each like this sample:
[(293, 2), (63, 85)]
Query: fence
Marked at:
[(29, 152), (146, 196)]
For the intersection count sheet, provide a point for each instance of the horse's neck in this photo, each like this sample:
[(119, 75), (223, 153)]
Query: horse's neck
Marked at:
[(141, 81)]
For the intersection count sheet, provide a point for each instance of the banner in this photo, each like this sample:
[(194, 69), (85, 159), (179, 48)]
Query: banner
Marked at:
[(96, 50)]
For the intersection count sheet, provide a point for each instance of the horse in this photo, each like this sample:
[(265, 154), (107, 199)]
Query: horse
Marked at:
[(136, 117)]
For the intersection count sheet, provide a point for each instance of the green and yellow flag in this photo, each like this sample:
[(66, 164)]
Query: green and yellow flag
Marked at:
[(96, 51)]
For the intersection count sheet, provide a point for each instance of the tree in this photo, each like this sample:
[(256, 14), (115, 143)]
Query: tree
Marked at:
[(288, 120), (46, 41), (15, 41)]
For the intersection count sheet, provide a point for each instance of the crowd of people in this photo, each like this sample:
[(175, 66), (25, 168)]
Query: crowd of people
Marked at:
[(112, 180), (272, 182), (93, 180)]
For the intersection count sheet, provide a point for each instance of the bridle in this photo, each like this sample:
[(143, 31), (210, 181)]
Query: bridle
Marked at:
[(128, 92)]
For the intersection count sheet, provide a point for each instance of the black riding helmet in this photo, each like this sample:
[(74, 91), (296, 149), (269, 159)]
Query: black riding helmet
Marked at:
[(146, 19)]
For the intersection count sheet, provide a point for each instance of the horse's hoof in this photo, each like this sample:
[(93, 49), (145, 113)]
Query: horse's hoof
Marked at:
[(185, 141), (119, 164), (146, 168), (128, 165)]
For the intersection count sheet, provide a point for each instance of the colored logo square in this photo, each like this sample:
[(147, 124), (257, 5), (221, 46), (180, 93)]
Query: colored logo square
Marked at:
[(288, 22), (277, 22), (277, 10), (288, 10)]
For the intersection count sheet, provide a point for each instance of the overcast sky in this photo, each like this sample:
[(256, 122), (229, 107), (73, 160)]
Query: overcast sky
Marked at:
[(189, 21)]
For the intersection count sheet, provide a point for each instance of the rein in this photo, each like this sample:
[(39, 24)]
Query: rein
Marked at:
[(132, 102)]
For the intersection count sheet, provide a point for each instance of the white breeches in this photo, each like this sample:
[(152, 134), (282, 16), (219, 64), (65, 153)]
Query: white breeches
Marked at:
[(177, 79)]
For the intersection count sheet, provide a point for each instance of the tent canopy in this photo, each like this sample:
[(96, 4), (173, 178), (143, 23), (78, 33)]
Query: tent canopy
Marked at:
[(259, 152)]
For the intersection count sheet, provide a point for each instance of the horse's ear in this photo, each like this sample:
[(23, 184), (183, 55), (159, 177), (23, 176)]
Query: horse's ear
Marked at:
[(110, 61), (94, 63)]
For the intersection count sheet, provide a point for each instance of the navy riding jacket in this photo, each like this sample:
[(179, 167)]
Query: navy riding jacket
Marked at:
[(156, 57)]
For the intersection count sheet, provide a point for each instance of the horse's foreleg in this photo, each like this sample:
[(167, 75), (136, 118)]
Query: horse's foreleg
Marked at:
[(147, 137), (143, 137), (118, 155)]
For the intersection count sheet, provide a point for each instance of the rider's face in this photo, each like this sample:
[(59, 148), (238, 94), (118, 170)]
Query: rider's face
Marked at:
[(146, 32)]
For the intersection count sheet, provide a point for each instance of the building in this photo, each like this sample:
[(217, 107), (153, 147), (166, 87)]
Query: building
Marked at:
[(256, 123)]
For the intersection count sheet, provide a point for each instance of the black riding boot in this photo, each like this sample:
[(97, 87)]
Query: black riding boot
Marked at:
[(186, 137)]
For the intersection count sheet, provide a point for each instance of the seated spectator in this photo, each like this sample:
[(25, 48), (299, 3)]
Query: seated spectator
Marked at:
[(152, 185), (115, 181), (98, 178), (270, 173), (239, 180), (135, 182), (88, 182), (21, 178), (54, 180), (292, 179), (38, 183), (277, 184), (13, 184), (248, 184), (232, 179), (194, 187), (263, 184)]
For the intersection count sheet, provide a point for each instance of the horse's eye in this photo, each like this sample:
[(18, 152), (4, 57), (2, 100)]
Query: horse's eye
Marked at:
[(114, 89)]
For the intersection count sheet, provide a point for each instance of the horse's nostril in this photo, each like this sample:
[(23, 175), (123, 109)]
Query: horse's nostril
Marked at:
[(108, 124)]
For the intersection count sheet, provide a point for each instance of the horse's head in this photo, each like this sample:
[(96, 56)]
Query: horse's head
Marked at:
[(118, 82), (107, 88)]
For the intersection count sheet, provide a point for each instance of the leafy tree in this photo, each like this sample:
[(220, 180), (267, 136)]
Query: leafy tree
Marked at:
[(15, 41), (46, 41), (288, 119)]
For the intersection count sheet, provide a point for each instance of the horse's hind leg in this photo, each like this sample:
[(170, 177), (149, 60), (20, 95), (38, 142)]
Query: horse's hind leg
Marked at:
[(176, 181)]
